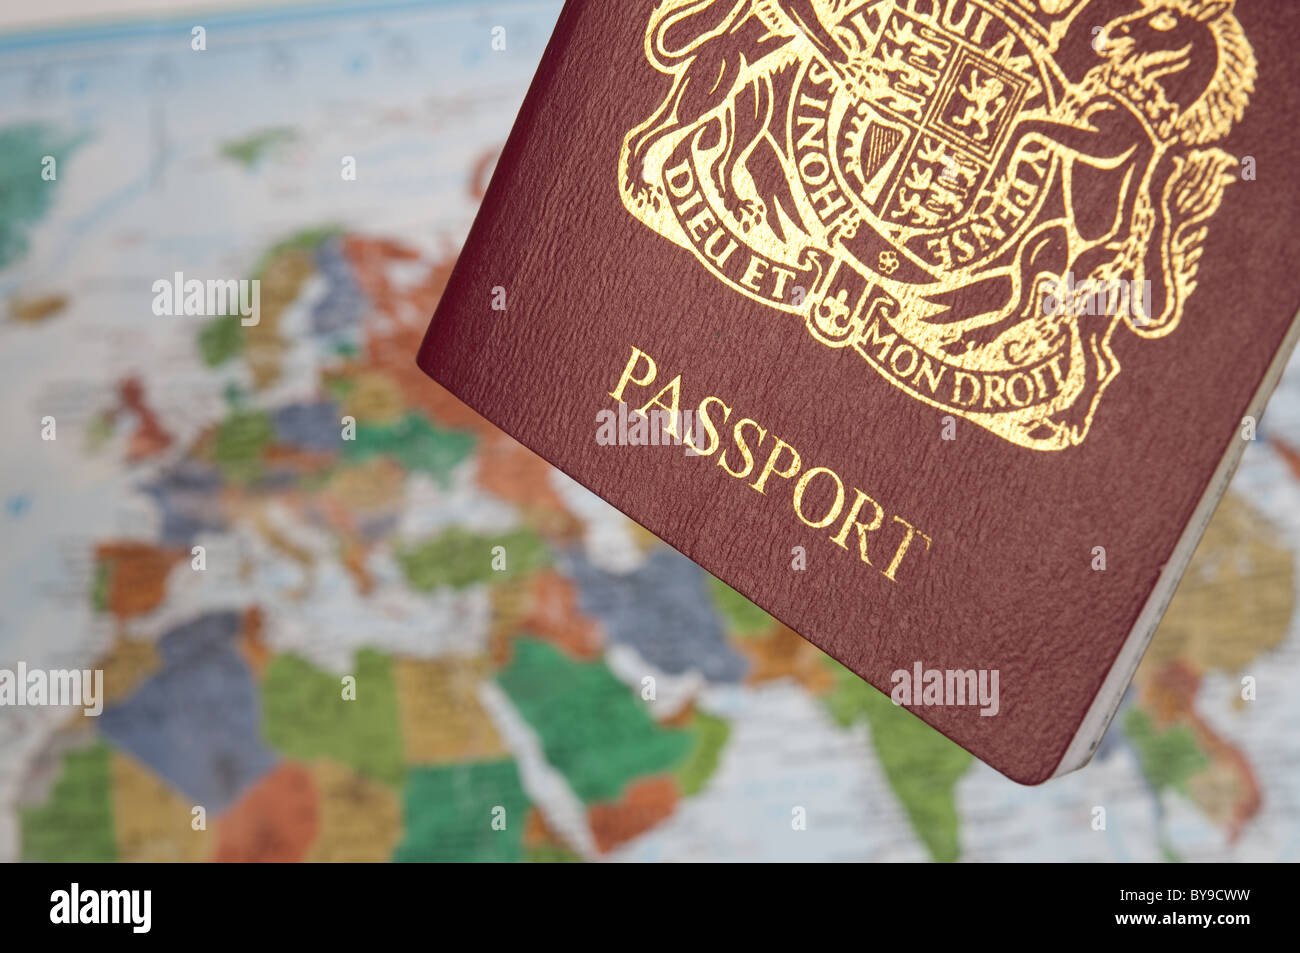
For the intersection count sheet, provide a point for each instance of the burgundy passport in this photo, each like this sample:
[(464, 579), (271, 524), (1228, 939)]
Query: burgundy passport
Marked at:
[(934, 327)]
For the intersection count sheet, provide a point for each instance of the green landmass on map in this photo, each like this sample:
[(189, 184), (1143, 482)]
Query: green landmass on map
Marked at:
[(241, 439), (742, 617), (76, 823), (450, 813), (252, 149), (413, 442), (305, 240), (26, 190), (1169, 758), (922, 766), (220, 340), (594, 729), (458, 558), (305, 715), (710, 737)]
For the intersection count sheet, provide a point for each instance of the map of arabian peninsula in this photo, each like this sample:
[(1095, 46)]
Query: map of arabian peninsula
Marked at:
[(341, 617)]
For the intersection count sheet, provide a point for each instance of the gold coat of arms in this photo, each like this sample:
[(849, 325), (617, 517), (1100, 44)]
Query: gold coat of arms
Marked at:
[(920, 180)]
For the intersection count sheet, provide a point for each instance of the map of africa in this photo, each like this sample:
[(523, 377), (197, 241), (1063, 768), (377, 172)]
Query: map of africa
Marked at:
[(497, 622)]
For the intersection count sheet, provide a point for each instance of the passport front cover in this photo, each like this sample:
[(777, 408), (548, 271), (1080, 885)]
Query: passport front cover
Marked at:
[(934, 327)]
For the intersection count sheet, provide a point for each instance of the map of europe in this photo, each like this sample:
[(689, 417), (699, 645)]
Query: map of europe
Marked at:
[(533, 676)]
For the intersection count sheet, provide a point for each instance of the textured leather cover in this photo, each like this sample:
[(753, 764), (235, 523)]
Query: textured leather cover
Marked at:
[(1014, 506)]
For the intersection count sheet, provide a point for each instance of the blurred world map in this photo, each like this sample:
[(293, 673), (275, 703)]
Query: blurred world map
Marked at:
[(500, 714)]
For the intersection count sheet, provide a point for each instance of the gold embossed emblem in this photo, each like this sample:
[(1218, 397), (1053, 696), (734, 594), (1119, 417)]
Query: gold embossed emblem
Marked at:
[(923, 181)]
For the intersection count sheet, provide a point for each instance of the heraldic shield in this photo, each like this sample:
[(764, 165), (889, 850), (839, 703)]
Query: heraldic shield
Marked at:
[(907, 176)]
